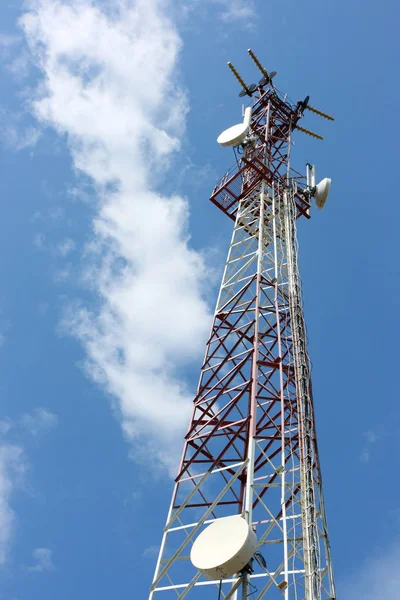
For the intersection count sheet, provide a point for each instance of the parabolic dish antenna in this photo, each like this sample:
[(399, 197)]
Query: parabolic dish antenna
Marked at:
[(267, 80), (321, 192), (236, 134), (224, 548), (249, 91)]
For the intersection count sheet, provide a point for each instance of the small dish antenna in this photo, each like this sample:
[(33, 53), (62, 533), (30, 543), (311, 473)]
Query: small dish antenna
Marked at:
[(268, 79), (249, 91), (321, 192), (301, 106), (224, 548), (318, 192), (236, 134)]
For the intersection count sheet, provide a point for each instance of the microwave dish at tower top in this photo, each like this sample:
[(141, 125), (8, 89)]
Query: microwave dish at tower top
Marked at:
[(321, 192), (224, 548), (236, 134)]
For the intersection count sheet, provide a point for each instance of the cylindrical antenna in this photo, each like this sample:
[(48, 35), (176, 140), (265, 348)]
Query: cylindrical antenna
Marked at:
[(236, 74), (259, 65), (247, 117), (312, 176), (308, 174)]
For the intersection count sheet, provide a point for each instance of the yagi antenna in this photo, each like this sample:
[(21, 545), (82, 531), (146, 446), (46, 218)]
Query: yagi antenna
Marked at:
[(302, 106), (267, 77), (259, 65), (308, 132), (320, 113), (248, 90)]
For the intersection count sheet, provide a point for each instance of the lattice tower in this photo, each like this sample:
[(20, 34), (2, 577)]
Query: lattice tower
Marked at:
[(251, 446)]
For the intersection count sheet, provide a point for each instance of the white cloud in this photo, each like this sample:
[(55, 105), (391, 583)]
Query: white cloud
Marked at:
[(238, 10), (38, 421), (235, 12), (20, 67), (7, 40), (371, 438), (44, 561), (12, 468), (39, 241), (150, 551), (5, 426), (66, 247), (56, 213), (62, 275), (112, 88), (379, 577), (5, 326), (14, 134), (24, 139)]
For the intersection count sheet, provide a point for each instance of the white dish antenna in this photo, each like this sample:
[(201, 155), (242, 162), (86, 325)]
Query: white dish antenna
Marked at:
[(236, 134), (321, 192), (318, 192), (224, 548)]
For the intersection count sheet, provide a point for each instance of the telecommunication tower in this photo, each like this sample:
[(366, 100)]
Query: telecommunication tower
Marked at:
[(247, 517)]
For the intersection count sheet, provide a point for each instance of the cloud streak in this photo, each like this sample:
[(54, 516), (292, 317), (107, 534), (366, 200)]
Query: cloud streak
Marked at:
[(370, 438), (14, 134), (242, 11), (44, 561), (379, 577), (38, 421), (111, 89), (12, 469)]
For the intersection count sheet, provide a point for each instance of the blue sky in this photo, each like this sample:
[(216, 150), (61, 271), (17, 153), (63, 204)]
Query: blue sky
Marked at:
[(111, 254)]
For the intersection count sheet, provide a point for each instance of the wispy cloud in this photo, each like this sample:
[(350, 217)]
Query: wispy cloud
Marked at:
[(7, 40), (44, 561), (370, 438), (39, 241), (378, 577), (151, 551), (38, 421), (5, 327), (20, 67), (5, 426), (12, 469), (16, 137), (243, 11), (15, 132), (66, 247), (62, 275), (123, 119), (15, 59)]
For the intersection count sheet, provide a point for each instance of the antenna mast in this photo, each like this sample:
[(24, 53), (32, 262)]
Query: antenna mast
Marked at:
[(251, 451)]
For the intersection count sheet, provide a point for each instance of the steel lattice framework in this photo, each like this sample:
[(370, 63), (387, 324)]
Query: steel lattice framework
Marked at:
[(251, 447)]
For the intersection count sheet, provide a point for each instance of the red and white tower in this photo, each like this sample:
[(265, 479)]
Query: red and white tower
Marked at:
[(251, 451)]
